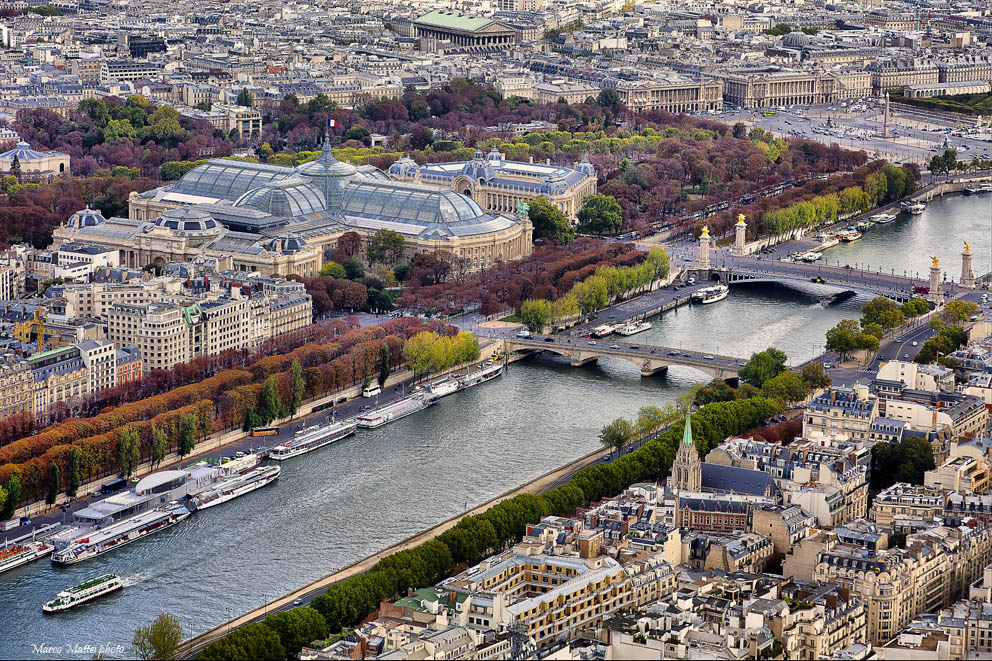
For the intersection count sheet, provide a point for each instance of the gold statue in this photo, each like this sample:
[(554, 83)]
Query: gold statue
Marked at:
[(936, 262), (740, 219), (705, 234), (967, 248)]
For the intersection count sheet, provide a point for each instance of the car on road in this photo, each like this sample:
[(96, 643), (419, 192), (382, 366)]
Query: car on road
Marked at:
[(673, 353), (297, 602), (634, 348), (593, 342), (707, 357), (614, 346), (906, 356), (549, 339), (915, 343)]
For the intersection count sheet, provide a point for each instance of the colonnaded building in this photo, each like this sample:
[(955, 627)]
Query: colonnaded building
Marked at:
[(279, 221)]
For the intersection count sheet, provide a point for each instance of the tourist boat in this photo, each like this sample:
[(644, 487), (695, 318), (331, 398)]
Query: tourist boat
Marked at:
[(91, 543), (311, 438), (884, 218), (710, 294), (849, 235), (913, 207), (634, 327), (445, 387), (16, 555), (972, 190), (864, 226), (80, 594), (487, 372), (236, 485), (603, 330), (985, 188), (396, 410), (828, 241), (809, 256)]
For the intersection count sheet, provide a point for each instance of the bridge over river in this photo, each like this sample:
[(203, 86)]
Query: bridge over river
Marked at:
[(650, 359)]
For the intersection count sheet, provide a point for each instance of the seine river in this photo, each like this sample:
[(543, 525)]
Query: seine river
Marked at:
[(348, 500)]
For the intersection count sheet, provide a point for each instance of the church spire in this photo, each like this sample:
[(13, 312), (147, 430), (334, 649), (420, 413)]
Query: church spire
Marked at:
[(687, 434)]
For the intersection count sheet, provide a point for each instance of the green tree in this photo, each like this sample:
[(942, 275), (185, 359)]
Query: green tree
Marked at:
[(3, 503), (763, 366), (13, 497), (843, 338), (715, 391), (617, 434), (269, 403), (814, 376), (536, 314), (915, 307), (160, 639), (334, 270), (119, 130), (740, 130), (383, 366), (649, 420), (353, 269), (251, 642), (937, 164), (75, 467), (882, 311), (608, 98), (950, 159), (297, 628), (297, 386), (96, 109), (244, 98), (549, 221), (787, 386), (15, 168), (900, 462), (160, 445), (128, 452), (54, 483), (876, 185), (599, 215), (958, 310), (187, 434), (386, 247)]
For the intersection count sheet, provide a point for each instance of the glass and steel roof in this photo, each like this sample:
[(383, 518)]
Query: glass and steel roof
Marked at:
[(290, 197), (408, 202), (229, 180)]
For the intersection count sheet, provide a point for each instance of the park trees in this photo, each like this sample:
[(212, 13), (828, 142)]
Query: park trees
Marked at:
[(54, 483), (958, 310), (915, 307), (762, 366), (297, 386), (74, 478), (158, 640), (386, 247), (814, 376), (13, 499), (160, 445), (297, 628), (383, 366), (906, 461), (599, 215), (883, 311), (269, 403), (252, 641), (848, 336), (786, 386), (549, 221), (128, 452), (617, 434), (333, 270), (187, 434)]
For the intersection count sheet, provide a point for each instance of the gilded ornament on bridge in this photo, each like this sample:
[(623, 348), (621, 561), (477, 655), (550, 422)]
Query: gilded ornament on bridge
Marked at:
[(740, 219), (936, 263), (967, 248), (705, 234)]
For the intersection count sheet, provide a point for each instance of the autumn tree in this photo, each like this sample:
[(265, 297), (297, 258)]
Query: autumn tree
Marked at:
[(74, 478)]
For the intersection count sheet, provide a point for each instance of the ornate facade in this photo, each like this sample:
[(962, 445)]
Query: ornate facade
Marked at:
[(280, 221), (498, 185)]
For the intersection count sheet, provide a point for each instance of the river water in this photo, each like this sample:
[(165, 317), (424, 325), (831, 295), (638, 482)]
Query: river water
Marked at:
[(343, 502)]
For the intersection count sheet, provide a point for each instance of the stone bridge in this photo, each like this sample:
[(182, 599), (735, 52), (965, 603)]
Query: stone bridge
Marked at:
[(650, 360)]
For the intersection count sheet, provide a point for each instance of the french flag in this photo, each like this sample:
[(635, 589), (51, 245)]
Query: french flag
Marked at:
[(331, 123)]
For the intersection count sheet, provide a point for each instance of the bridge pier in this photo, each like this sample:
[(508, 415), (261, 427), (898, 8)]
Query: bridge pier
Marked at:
[(583, 360), (650, 369)]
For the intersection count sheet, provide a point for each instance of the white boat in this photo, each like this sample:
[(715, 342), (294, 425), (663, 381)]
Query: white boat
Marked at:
[(445, 387), (312, 438), (985, 188), (603, 330), (634, 327), (487, 371), (883, 218), (91, 543), (396, 410), (710, 294), (80, 594), (914, 208), (234, 486), (809, 256), (16, 555)]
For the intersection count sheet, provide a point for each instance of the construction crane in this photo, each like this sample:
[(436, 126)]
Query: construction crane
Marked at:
[(33, 330)]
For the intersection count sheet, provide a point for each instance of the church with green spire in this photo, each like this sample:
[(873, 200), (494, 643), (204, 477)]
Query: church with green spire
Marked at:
[(687, 471)]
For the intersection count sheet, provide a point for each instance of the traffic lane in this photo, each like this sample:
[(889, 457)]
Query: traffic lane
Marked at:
[(644, 350)]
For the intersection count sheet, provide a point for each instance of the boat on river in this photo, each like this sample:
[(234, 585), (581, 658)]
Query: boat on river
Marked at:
[(710, 294), (311, 438), (603, 330), (395, 410), (16, 555), (445, 387), (487, 372), (86, 543), (634, 327), (234, 486), (84, 592), (849, 235)]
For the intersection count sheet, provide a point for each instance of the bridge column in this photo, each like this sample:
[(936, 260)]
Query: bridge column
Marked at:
[(650, 368), (739, 236), (935, 294), (703, 260), (967, 275), (579, 360)]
